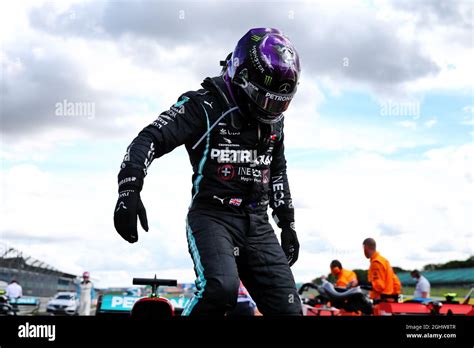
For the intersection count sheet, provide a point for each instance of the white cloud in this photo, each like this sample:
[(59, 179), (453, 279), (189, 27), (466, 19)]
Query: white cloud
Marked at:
[(447, 43), (442, 246), (347, 201), (407, 124), (126, 73), (324, 135), (389, 230), (468, 121), (468, 109), (430, 123), (307, 128), (65, 218)]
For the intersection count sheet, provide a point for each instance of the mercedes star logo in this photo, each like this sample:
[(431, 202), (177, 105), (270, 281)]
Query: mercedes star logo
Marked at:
[(284, 88)]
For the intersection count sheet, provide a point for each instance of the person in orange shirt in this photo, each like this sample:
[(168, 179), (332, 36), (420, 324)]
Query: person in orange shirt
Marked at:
[(397, 285), (345, 278), (385, 283)]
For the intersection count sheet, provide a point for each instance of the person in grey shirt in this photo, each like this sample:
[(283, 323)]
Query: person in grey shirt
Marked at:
[(14, 290), (422, 289)]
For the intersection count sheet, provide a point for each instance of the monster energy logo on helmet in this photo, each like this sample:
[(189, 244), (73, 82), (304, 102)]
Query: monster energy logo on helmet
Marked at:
[(256, 38), (268, 80)]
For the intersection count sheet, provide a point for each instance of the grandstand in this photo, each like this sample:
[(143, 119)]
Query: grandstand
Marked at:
[(462, 277), (36, 277)]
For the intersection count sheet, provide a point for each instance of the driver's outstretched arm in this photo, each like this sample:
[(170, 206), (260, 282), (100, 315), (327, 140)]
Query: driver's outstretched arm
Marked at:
[(183, 122)]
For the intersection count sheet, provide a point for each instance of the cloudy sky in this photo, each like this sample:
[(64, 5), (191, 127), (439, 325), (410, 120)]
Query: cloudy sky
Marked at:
[(378, 138)]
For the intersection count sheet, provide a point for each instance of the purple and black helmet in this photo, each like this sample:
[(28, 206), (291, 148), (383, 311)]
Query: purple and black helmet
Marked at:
[(266, 67)]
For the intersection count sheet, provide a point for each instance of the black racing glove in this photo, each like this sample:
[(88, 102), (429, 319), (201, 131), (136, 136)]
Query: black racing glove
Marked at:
[(129, 204), (289, 243)]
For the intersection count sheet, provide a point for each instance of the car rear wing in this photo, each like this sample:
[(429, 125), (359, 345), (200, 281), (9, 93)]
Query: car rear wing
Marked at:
[(155, 283)]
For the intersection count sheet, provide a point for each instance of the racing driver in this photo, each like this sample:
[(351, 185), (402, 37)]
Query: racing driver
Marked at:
[(232, 129)]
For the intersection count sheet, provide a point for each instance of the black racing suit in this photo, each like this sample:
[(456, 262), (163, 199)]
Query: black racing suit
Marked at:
[(239, 169)]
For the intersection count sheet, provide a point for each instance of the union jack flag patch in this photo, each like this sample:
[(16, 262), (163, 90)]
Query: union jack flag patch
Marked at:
[(235, 201)]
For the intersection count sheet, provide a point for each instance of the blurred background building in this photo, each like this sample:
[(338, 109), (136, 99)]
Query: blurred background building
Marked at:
[(35, 276)]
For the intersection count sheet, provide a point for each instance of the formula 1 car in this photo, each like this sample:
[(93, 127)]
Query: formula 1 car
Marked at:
[(333, 301), (153, 306), (20, 306), (148, 307), (5, 307)]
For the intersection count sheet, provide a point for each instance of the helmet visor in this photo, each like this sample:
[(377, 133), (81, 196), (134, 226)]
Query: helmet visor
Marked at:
[(273, 104)]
